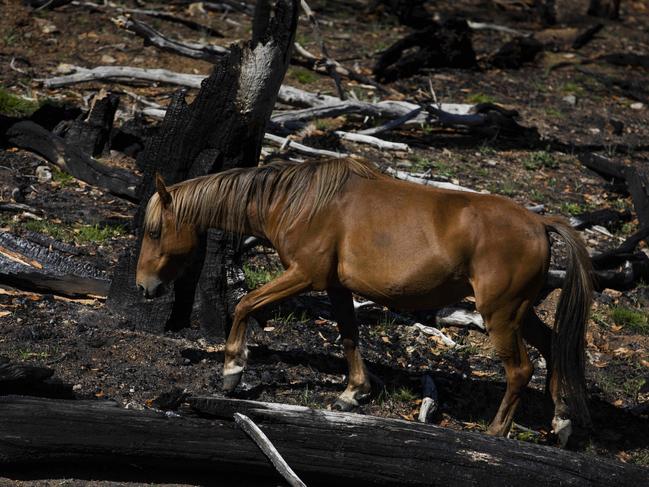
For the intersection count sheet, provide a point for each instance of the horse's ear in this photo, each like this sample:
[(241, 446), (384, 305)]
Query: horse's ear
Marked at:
[(164, 195)]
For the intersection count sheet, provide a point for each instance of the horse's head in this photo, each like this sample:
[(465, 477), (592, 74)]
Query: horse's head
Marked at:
[(167, 246)]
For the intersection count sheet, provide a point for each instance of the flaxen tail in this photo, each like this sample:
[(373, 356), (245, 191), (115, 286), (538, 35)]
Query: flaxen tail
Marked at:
[(568, 344)]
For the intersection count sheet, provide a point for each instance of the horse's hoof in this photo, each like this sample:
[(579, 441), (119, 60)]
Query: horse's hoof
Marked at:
[(563, 429), (344, 405), (231, 381)]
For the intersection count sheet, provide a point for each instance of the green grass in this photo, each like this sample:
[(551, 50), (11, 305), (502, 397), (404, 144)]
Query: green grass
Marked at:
[(480, 98), (630, 319), (97, 234), (540, 159), (258, 276), (554, 112), (303, 75), (62, 177), (394, 396), (79, 234), (16, 106), (571, 208), (572, 88)]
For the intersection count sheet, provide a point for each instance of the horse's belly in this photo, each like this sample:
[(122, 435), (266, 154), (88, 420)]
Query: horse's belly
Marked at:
[(424, 288)]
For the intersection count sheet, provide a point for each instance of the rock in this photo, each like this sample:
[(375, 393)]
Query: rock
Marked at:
[(637, 105), (570, 100), (108, 59), (43, 174)]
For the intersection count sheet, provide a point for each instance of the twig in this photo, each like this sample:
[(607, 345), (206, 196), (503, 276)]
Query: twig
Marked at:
[(392, 124), (265, 445), (277, 140), (403, 175), (498, 28), (361, 138)]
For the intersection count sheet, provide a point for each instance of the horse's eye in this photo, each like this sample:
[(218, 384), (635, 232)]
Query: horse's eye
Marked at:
[(154, 234)]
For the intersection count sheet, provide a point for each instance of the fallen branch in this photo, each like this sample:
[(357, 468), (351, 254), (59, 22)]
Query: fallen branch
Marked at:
[(69, 158), (405, 176), (265, 445), (285, 143), (373, 141), (206, 52)]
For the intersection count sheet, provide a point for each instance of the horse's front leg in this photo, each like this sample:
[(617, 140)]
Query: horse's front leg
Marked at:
[(358, 386), (236, 352)]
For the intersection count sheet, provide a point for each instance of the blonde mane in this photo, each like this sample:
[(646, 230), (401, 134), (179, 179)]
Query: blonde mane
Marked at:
[(222, 200)]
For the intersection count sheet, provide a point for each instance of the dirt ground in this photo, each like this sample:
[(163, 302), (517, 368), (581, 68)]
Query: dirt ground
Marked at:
[(296, 355)]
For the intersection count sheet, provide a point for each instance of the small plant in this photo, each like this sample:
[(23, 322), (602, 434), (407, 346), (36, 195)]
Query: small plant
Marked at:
[(62, 177), (536, 195), (480, 98), (554, 112), (304, 76), (420, 163), (307, 398), (487, 150), (508, 188), (631, 319), (633, 386), (539, 159), (54, 230), (258, 276), (16, 106), (97, 234), (571, 208), (572, 88)]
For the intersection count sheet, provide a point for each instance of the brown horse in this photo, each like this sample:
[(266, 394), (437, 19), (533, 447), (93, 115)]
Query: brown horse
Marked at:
[(343, 227)]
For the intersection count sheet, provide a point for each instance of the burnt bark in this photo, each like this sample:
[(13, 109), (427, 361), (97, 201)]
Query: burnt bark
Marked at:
[(26, 264), (440, 45), (322, 447), (221, 129), (91, 134)]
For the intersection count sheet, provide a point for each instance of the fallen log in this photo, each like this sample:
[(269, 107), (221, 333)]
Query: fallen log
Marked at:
[(322, 447), (69, 158), (28, 265)]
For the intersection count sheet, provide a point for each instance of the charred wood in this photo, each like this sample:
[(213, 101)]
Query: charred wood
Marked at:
[(323, 447), (68, 157), (440, 45), (91, 135), (31, 380), (28, 265), (517, 52), (191, 142)]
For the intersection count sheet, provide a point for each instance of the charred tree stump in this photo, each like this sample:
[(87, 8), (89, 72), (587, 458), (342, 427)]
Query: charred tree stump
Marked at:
[(91, 135), (439, 45), (322, 447), (221, 129)]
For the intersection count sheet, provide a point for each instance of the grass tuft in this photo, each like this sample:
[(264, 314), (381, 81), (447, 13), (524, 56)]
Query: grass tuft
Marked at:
[(16, 106), (631, 319)]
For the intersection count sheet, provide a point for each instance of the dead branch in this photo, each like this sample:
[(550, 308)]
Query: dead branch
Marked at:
[(373, 141), (265, 445), (206, 52), (286, 143)]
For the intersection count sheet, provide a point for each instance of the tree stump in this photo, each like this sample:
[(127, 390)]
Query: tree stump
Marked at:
[(221, 129)]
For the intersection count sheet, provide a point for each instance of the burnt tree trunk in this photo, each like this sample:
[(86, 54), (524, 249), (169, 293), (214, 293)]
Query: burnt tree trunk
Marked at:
[(322, 447), (221, 129)]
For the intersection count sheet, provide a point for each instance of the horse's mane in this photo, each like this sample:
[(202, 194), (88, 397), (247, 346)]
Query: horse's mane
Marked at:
[(221, 200)]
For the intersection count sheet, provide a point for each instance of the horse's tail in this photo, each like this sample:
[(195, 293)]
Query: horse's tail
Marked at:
[(568, 339)]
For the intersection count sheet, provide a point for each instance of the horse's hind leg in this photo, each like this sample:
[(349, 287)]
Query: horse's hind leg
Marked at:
[(292, 282), (539, 335), (358, 385), (506, 337)]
